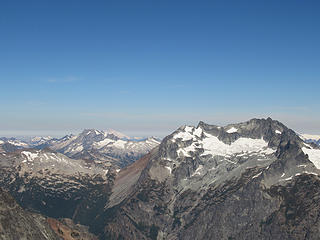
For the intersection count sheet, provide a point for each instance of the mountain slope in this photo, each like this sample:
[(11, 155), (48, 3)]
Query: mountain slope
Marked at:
[(15, 223), (52, 183), (15, 142), (241, 181), (97, 145), (108, 147)]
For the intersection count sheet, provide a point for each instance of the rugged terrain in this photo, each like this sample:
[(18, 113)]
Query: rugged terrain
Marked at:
[(52, 183), (66, 229), (16, 223), (42, 178), (94, 145), (253, 180), (107, 147)]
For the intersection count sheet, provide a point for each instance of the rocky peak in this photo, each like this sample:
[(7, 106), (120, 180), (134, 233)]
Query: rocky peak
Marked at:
[(212, 182), (206, 154)]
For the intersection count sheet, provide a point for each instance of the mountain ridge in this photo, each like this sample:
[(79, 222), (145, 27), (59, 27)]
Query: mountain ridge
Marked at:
[(181, 181), (239, 181)]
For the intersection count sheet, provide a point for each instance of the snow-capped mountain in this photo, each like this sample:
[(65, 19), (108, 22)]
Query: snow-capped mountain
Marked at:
[(116, 133), (15, 142), (91, 145), (252, 180), (52, 183), (36, 141), (97, 145), (308, 138)]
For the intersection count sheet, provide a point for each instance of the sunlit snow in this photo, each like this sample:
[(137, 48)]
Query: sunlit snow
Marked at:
[(314, 155), (232, 130)]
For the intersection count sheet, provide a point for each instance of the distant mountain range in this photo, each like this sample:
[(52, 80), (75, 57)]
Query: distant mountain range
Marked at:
[(58, 176), (110, 146), (308, 138), (252, 180)]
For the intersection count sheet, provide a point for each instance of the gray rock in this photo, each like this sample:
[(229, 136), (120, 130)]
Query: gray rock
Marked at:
[(241, 181), (16, 223)]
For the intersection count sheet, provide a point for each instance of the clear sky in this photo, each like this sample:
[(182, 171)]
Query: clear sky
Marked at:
[(147, 67)]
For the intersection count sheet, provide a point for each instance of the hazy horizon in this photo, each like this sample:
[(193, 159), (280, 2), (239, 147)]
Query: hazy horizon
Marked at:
[(162, 132)]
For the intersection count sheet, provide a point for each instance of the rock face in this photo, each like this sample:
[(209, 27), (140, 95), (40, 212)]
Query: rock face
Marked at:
[(253, 180), (57, 186), (53, 184), (15, 223), (67, 230)]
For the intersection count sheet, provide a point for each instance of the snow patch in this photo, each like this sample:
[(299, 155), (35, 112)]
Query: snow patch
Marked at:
[(78, 149), (311, 173), (120, 144), (18, 143), (232, 130), (289, 178), (255, 176), (185, 136), (198, 132), (302, 165), (103, 143), (188, 129), (183, 152), (30, 156), (213, 146), (314, 155), (198, 171)]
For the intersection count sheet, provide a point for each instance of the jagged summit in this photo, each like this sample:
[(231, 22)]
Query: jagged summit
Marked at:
[(117, 134), (98, 145), (108, 147), (205, 178), (204, 151), (110, 133)]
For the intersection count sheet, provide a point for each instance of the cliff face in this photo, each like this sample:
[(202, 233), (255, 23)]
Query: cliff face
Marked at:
[(53, 184), (19, 224), (16, 223)]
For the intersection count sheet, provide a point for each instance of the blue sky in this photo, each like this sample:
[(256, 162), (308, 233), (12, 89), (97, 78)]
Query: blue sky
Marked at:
[(147, 67)]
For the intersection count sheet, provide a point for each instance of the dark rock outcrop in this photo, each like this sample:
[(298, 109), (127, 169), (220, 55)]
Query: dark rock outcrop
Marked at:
[(16, 223)]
